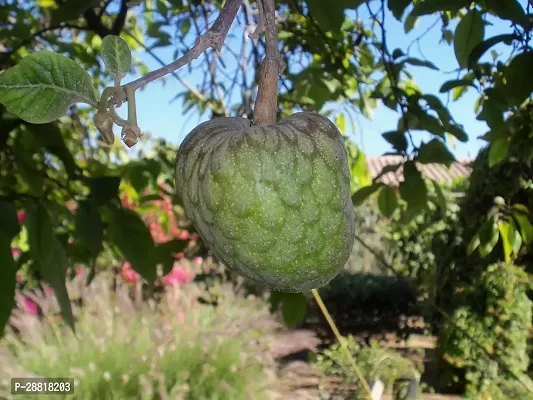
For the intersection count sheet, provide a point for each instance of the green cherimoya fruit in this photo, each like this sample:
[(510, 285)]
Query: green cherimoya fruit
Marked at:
[(272, 202)]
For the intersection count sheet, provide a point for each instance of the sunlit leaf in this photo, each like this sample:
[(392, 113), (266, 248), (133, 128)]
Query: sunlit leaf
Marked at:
[(505, 230), (449, 85), (521, 216), (498, 151), (488, 236), (42, 87), (116, 55)]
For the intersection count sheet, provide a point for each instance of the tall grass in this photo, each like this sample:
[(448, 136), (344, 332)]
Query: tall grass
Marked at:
[(130, 349)]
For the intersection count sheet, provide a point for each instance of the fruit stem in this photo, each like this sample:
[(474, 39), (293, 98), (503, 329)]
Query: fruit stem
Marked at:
[(342, 342), (266, 103)]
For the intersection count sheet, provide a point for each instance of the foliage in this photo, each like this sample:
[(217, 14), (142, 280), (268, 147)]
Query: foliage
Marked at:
[(488, 336), (375, 363), (128, 348)]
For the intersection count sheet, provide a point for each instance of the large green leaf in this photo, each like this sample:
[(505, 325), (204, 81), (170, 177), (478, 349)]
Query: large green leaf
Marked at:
[(498, 151), (510, 10), (329, 18), (71, 9), (387, 201), (116, 55), (480, 49), (488, 236), (363, 193), (413, 189), (397, 139), (505, 233), (521, 215), (43, 86), (397, 7), (294, 307), (454, 83), (104, 188), (435, 151), (49, 256), (519, 83), (130, 234), (166, 253), (468, 34), (425, 7), (89, 226), (50, 137)]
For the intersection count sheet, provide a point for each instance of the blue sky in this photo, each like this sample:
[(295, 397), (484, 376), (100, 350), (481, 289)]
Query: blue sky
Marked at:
[(160, 117)]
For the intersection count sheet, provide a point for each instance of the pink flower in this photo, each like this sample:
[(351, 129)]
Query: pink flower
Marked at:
[(177, 276), (80, 271), (15, 252), (184, 235), (21, 215), (179, 255), (198, 260), (128, 274), (19, 277), (30, 305)]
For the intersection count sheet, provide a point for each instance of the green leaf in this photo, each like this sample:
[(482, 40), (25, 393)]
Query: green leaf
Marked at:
[(89, 226), (27, 169), (294, 308), (523, 222), (420, 63), (397, 7), (9, 223), (410, 23), (468, 34), (413, 189), (519, 84), (104, 188), (42, 87), (480, 49), (50, 137), (329, 18), (432, 6), (129, 233), (362, 194), (166, 253), (473, 244), (488, 236), (505, 229), (449, 85), (49, 256), (387, 201), (510, 10), (71, 9), (514, 236), (116, 55), (498, 151), (457, 132), (275, 300), (435, 151), (397, 139), (8, 282)]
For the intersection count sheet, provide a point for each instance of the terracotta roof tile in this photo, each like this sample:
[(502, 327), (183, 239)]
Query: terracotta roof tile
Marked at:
[(437, 172)]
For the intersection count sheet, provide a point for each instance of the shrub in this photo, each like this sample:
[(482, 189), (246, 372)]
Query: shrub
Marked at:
[(491, 329), (128, 349), (374, 362)]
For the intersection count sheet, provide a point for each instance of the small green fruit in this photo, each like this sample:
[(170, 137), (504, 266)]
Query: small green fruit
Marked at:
[(272, 202)]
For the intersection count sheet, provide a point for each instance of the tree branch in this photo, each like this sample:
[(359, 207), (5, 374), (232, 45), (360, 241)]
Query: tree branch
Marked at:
[(120, 20), (214, 37), (266, 104)]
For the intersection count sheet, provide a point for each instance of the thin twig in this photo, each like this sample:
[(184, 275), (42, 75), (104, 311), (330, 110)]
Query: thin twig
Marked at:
[(342, 342), (214, 37), (266, 104)]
